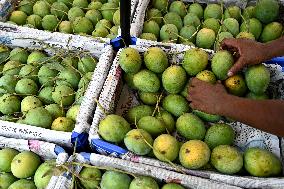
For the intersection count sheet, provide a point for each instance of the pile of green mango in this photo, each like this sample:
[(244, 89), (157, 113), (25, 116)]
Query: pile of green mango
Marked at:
[(149, 129), (205, 26), (24, 170), (92, 178), (41, 90), (99, 18)]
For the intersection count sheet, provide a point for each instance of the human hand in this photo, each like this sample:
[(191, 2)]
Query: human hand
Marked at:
[(206, 97), (246, 51)]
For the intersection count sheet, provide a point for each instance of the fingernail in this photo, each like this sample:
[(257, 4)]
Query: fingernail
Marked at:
[(230, 74)]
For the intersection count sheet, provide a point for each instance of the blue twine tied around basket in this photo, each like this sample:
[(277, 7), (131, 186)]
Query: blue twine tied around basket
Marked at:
[(81, 139), (117, 43), (277, 60), (107, 148)]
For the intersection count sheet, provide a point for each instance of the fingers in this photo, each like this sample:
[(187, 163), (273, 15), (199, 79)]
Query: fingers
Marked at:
[(229, 43), (192, 105), (233, 46), (189, 98), (196, 82), (197, 106), (236, 67), (192, 91), (197, 87)]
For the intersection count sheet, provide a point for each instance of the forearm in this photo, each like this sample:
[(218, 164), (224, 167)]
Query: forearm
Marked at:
[(266, 115), (273, 49)]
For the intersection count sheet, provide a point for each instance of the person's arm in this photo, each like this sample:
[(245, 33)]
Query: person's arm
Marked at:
[(274, 48), (249, 52), (266, 115)]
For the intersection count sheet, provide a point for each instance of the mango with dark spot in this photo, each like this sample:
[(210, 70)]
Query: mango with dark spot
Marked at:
[(261, 163), (207, 76), (25, 164), (63, 124), (236, 85), (166, 147), (138, 141), (227, 159), (194, 154)]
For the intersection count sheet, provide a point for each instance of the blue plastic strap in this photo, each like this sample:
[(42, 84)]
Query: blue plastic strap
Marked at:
[(107, 148), (58, 150), (86, 155), (82, 140), (133, 40), (117, 43), (67, 175), (277, 60)]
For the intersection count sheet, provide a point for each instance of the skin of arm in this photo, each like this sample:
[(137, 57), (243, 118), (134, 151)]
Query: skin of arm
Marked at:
[(249, 52), (274, 48), (266, 115)]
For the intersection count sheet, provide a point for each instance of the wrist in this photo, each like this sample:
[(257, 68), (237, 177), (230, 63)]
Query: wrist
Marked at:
[(263, 53), (225, 108), (270, 50)]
